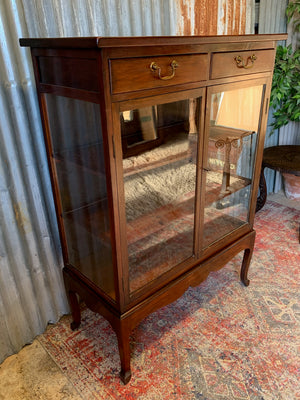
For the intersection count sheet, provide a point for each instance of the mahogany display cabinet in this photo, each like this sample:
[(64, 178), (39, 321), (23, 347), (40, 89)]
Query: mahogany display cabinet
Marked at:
[(154, 147)]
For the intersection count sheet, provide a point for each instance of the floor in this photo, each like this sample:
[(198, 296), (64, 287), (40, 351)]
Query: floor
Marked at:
[(32, 374)]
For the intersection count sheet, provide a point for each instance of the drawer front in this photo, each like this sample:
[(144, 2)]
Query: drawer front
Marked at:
[(241, 63), (129, 74)]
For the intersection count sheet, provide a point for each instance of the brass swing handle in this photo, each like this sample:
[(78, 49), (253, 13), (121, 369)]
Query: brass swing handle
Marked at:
[(154, 67), (241, 64)]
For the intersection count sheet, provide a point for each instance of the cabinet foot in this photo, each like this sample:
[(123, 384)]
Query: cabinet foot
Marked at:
[(74, 325), (246, 282), (125, 376), (245, 266)]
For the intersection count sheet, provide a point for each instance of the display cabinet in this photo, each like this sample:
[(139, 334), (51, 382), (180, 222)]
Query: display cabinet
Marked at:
[(154, 147)]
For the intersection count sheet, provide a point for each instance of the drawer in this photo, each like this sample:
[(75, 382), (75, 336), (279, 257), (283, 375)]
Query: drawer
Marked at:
[(252, 61), (129, 74)]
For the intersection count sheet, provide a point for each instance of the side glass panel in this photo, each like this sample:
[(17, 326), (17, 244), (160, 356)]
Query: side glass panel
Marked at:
[(76, 137), (233, 129), (159, 170)]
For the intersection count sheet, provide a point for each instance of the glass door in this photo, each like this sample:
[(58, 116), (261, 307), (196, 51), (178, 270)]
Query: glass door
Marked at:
[(160, 150), (234, 116)]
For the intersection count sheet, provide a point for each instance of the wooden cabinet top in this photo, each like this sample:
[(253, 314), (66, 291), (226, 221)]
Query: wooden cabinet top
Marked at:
[(102, 42), (65, 64)]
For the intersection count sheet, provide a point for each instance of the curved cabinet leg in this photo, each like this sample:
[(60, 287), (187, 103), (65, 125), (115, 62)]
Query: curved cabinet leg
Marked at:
[(124, 351), (245, 266), (73, 300), (75, 309), (262, 191)]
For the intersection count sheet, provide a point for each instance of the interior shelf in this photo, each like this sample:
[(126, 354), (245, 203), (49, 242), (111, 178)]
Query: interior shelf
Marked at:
[(170, 224)]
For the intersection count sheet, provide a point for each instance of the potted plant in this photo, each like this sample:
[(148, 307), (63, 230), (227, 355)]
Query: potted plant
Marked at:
[(285, 93)]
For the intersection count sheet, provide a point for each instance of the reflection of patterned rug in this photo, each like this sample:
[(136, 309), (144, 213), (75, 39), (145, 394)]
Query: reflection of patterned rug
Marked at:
[(168, 239), (218, 341)]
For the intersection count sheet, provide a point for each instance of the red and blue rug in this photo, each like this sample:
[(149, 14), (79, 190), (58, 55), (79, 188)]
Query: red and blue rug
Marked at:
[(219, 341)]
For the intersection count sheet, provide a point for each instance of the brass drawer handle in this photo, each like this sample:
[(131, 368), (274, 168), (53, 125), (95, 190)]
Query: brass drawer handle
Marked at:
[(241, 64), (154, 67)]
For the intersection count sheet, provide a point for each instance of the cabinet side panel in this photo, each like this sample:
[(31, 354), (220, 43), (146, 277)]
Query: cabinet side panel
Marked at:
[(74, 72), (78, 160)]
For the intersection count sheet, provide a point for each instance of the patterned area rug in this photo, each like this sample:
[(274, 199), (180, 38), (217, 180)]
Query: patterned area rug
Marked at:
[(220, 340)]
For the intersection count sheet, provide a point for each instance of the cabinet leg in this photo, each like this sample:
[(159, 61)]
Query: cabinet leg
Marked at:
[(73, 300), (75, 309), (124, 351), (245, 266)]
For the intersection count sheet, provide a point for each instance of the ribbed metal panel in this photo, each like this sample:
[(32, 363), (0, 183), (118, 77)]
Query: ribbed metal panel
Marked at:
[(100, 17), (272, 19), (272, 16), (31, 289), (31, 292), (222, 17), (236, 17)]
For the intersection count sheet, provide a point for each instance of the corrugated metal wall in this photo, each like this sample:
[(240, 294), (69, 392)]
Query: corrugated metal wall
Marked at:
[(46, 18), (222, 17), (138, 17), (31, 289), (193, 17), (272, 20)]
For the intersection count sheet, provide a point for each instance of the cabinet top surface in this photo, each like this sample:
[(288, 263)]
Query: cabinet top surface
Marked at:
[(102, 42)]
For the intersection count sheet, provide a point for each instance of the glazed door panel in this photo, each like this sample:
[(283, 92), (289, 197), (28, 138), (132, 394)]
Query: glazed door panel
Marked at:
[(159, 146), (233, 125)]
